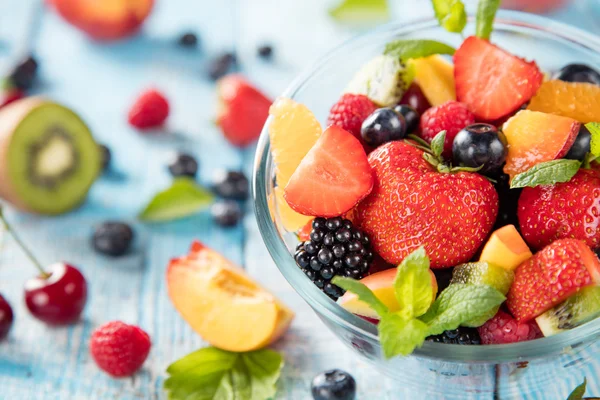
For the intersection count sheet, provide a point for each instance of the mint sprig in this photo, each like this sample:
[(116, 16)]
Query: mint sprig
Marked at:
[(484, 21), (183, 198), (361, 11), (416, 48), (400, 336), (450, 14), (412, 286), (579, 391), (547, 173)]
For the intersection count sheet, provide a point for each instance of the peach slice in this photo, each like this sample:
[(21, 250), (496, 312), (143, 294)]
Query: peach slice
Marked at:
[(223, 304), (577, 100), (435, 76), (505, 248)]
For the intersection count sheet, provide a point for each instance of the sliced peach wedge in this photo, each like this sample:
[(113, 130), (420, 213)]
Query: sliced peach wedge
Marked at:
[(223, 304), (506, 248), (435, 76)]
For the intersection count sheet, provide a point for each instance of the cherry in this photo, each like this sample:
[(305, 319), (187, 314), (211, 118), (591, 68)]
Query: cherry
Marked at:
[(415, 98), (6, 317)]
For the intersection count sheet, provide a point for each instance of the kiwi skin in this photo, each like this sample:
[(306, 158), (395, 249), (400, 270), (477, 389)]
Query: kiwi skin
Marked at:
[(573, 312)]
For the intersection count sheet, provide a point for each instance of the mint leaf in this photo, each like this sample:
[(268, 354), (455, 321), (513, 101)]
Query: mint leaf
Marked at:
[(594, 128), (450, 14), (460, 303), (579, 391), (362, 292), (484, 20), (211, 373), (416, 48), (361, 11), (182, 199), (546, 173), (412, 286), (400, 336), (437, 144)]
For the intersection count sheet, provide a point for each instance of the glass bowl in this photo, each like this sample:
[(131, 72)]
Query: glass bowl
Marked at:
[(436, 369)]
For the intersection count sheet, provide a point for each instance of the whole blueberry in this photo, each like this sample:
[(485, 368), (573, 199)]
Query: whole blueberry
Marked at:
[(112, 238), (221, 65), (382, 126), (480, 145), (230, 184), (578, 73), (411, 116), (226, 213), (581, 146), (265, 51), (183, 165), (334, 384), (188, 39)]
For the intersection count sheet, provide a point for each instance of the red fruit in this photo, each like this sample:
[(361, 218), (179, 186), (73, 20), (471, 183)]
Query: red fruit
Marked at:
[(415, 98), (563, 210), (490, 81), (503, 329), (551, 276), (119, 349), (150, 110), (413, 205), (242, 110), (451, 117), (10, 95), (332, 178), (6, 317), (349, 113)]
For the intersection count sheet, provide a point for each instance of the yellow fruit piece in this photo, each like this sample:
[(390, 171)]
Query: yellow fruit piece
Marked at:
[(292, 221), (435, 76), (577, 100), (506, 248), (293, 132)]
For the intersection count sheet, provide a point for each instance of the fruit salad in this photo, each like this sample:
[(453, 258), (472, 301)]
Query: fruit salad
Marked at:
[(452, 195)]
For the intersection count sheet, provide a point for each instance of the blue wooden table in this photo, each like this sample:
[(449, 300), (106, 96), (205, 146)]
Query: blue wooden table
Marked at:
[(100, 81)]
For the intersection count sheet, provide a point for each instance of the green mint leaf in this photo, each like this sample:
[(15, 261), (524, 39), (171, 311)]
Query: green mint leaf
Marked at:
[(362, 292), (461, 303), (547, 173), (450, 14), (594, 128), (400, 336), (361, 11), (211, 373), (416, 48), (484, 20), (412, 286), (437, 144), (579, 391), (182, 199)]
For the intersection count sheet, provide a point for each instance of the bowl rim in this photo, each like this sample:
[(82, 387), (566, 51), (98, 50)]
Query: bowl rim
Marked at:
[(539, 348)]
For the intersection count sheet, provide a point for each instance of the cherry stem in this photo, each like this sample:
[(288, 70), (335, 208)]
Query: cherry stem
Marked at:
[(17, 239)]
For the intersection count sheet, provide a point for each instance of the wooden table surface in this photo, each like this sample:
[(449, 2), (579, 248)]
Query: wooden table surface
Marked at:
[(100, 81)]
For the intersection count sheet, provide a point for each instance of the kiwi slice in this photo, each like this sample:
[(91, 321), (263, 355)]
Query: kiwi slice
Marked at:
[(576, 310), (48, 157)]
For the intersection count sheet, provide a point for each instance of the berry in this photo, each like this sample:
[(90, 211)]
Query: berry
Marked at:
[(184, 165), (150, 110), (333, 385), (411, 116), (112, 238), (462, 336), (119, 349), (581, 146), (242, 111), (503, 329), (226, 213), (6, 317), (480, 145), (9, 95), (188, 39), (105, 156), (492, 82), (265, 51), (382, 126), (451, 117), (350, 112), (332, 178), (508, 199), (24, 74), (415, 98), (334, 247), (230, 184), (221, 65), (578, 73)]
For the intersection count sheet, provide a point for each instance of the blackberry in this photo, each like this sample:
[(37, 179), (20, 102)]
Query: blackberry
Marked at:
[(335, 248), (24, 74), (462, 336)]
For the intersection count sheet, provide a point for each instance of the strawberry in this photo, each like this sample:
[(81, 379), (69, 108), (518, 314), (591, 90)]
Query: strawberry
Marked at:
[(332, 178), (503, 328), (150, 110), (349, 113), (451, 117), (552, 275), (492, 82), (242, 111), (413, 205), (563, 210)]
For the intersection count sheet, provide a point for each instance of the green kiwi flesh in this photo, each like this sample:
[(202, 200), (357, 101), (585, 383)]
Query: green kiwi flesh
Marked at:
[(571, 313)]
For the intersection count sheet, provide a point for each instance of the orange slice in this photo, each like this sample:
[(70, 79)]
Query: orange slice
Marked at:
[(291, 220), (577, 100)]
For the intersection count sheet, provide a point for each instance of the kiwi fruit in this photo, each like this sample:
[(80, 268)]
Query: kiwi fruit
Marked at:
[(571, 313), (48, 157)]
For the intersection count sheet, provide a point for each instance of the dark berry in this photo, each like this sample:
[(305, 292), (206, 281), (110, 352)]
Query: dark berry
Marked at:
[(333, 385), (310, 247), (578, 73), (355, 246), (319, 282), (382, 126), (311, 274), (226, 213), (231, 184), (339, 250), (462, 336), (415, 98), (316, 235), (315, 264), (302, 258), (188, 39), (183, 165), (352, 260), (327, 272), (329, 239), (265, 51), (343, 235), (333, 224), (221, 65), (24, 74), (105, 156), (508, 202), (346, 223), (319, 223), (337, 264), (581, 146), (411, 116), (112, 238), (6, 317), (300, 246), (325, 255), (480, 145)]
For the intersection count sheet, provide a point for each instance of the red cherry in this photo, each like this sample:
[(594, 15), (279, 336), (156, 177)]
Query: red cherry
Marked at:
[(59, 296), (415, 98), (6, 317)]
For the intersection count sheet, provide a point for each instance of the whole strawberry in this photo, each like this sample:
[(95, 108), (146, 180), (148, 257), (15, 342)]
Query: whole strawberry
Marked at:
[(450, 117), (563, 210), (150, 110), (119, 349), (503, 328), (413, 205), (349, 113)]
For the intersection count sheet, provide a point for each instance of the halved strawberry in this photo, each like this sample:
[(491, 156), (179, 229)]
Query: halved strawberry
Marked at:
[(492, 82), (332, 178)]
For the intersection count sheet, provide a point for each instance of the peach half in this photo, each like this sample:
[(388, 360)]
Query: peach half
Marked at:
[(506, 248)]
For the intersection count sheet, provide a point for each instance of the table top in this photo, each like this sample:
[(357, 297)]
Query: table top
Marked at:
[(99, 81)]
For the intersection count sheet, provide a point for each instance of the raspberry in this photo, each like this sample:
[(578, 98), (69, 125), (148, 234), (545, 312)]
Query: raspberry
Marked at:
[(119, 349), (503, 328), (451, 117), (150, 110), (349, 113)]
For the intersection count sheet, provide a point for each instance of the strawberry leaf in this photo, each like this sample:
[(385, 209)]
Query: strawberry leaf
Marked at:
[(486, 12), (450, 14), (547, 173), (594, 128), (400, 336), (416, 48), (579, 391), (362, 292), (413, 288), (361, 11), (437, 144)]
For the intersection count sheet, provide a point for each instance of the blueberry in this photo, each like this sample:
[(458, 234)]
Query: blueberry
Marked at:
[(188, 39), (334, 384), (226, 213), (221, 65), (480, 144), (411, 116), (265, 51), (382, 126), (578, 73), (105, 156), (183, 165), (24, 74), (581, 146), (112, 238), (231, 184)]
